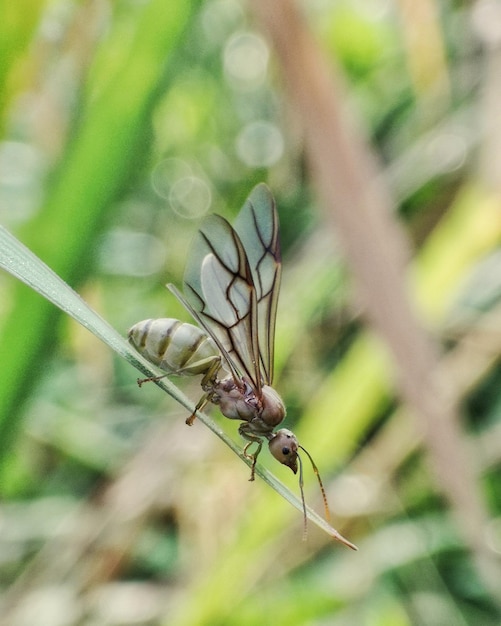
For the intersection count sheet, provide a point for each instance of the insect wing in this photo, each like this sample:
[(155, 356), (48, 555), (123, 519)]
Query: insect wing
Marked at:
[(258, 229), (219, 288)]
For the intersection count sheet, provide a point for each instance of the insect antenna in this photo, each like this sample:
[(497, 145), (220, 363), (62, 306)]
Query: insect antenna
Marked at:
[(320, 483), (301, 489)]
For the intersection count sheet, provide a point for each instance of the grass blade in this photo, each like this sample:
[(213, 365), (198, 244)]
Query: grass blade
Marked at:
[(16, 259)]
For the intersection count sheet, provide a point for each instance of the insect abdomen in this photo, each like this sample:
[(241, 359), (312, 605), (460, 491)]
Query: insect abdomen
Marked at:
[(174, 346)]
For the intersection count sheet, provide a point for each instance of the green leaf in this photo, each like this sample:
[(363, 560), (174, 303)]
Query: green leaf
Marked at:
[(103, 150)]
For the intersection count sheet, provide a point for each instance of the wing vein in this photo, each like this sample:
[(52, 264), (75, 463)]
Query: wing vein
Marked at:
[(231, 284)]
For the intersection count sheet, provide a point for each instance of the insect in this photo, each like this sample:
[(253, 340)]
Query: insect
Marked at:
[(231, 286)]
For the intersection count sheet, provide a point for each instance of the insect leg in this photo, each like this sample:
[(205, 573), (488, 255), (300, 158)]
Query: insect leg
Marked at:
[(208, 381), (253, 457), (200, 405), (210, 377), (251, 438), (151, 379)]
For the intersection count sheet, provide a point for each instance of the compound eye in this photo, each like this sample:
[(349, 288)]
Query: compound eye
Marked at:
[(286, 451)]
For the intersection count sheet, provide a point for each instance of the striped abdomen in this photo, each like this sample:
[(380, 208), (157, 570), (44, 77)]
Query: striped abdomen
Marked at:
[(175, 347)]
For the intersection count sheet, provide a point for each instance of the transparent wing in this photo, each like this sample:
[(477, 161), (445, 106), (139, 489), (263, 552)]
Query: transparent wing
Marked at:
[(258, 229), (231, 285), (220, 291)]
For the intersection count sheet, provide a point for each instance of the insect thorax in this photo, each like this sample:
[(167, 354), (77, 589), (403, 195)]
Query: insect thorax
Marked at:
[(240, 402)]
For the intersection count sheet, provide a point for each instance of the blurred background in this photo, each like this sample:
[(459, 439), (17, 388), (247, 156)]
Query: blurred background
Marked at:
[(376, 124)]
